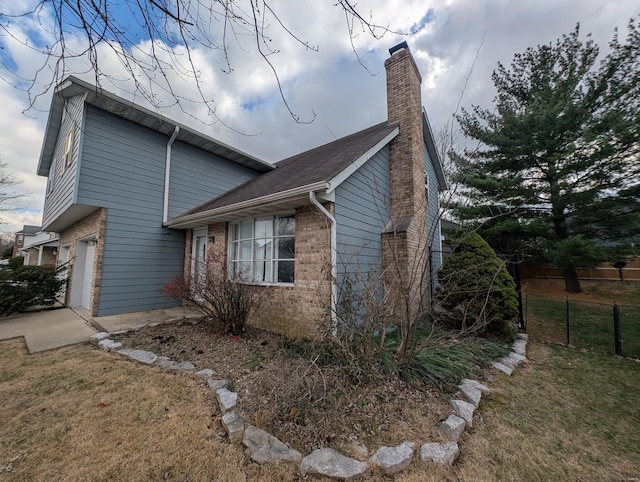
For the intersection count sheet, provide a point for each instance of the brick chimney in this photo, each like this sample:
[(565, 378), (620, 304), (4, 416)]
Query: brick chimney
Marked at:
[(405, 246)]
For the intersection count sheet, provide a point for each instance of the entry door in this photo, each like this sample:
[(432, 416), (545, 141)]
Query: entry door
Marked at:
[(199, 258), (87, 275)]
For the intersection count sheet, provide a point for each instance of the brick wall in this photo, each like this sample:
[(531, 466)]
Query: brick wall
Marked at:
[(300, 310), (91, 226)]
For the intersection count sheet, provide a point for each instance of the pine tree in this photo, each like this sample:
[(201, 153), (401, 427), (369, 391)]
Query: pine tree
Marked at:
[(558, 163)]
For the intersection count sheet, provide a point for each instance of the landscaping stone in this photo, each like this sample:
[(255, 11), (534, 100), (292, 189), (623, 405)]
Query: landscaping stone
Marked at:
[(394, 459), (206, 373), (217, 384), (234, 425), (265, 447), (508, 362), (463, 409), (98, 337), (471, 394), (330, 463), (226, 399), (165, 362), (520, 347), (138, 327), (441, 454), (452, 428), (109, 345), (141, 356), (517, 358), (503, 368), (522, 336), (474, 383), (154, 324), (184, 367)]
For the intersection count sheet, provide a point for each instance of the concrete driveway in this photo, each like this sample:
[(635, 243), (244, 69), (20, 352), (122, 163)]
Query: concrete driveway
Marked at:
[(46, 330)]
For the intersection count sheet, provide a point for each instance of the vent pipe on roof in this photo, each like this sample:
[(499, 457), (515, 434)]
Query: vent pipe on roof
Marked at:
[(167, 175)]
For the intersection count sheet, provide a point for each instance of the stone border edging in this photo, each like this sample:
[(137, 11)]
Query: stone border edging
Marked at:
[(328, 462)]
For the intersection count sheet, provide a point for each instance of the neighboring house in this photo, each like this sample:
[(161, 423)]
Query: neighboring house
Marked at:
[(39, 248), (145, 199), (24, 236)]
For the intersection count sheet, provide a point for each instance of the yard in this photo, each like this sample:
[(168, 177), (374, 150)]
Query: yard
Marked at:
[(75, 414)]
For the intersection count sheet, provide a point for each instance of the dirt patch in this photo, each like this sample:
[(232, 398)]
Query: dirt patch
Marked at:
[(305, 405)]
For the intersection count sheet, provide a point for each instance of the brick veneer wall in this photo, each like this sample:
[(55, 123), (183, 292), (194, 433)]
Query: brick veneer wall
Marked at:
[(92, 225), (300, 310)]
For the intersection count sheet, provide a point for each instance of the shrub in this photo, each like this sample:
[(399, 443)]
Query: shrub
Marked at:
[(16, 262), (476, 288), (29, 286), (224, 298)]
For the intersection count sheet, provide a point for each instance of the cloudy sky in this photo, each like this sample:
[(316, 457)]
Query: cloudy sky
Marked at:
[(339, 91)]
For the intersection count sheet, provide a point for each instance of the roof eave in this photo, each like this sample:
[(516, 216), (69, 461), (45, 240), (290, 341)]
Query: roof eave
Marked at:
[(223, 213), (105, 100), (429, 141)]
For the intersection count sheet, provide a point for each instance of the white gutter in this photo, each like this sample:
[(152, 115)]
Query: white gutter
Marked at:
[(205, 216), (334, 264), (167, 174)]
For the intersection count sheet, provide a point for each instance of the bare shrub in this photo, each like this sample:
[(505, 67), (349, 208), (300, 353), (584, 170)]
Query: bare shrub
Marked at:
[(224, 297)]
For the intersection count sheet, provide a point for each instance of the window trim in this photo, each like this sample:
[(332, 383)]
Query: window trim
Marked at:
[(273, 259)]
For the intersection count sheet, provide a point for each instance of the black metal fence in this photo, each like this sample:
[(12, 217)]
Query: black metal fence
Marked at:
[(600, 327)]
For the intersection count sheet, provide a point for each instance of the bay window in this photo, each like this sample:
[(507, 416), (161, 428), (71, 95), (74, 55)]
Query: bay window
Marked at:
[(262, 250)]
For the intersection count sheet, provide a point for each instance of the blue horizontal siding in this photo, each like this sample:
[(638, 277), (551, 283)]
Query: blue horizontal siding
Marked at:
[(433, 215), (123, 169), (361, 212), (58, 200)]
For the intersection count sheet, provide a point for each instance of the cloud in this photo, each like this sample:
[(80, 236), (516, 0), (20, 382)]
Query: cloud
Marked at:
[(330, 84)]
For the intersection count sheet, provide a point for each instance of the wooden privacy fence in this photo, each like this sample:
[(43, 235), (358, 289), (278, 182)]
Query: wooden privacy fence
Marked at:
[(537, 268)]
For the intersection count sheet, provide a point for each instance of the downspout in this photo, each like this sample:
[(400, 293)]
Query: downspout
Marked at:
[(167, 174), (334, 264)]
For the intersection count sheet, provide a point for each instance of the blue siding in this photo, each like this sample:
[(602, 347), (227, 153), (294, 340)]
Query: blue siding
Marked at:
[(433, 214), (361, 212), (193, 180), (59, 197), (123, 167)]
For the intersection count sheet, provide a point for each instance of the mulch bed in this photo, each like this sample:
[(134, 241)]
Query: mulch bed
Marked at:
[(305, 405)]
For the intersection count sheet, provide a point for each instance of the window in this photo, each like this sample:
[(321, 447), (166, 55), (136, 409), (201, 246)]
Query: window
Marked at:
[(67, 149), (263, 249)]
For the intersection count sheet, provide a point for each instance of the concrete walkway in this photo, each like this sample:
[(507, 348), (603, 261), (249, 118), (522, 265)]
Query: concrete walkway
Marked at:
[(46, 330), (127, 321)]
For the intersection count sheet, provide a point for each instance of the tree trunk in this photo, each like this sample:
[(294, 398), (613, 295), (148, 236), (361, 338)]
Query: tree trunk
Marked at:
[(571, 281)]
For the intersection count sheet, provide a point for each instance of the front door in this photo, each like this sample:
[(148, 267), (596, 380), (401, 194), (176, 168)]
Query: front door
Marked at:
[(199, 258), (87, 275)]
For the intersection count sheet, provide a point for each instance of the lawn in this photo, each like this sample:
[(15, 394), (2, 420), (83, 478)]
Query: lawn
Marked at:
[(590, 314), (81, 414)]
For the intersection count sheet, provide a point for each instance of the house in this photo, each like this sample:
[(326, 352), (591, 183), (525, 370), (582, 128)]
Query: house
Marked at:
[(138, 198), (23, 237), (39, 248)]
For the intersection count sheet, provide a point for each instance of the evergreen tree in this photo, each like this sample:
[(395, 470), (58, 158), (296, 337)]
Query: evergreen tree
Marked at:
[(558, 162)]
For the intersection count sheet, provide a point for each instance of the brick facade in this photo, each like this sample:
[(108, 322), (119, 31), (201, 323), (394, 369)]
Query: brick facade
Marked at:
[(300, 310), (93, 226)]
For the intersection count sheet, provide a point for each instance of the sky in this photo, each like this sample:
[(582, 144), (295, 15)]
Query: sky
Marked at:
[(332, 91)]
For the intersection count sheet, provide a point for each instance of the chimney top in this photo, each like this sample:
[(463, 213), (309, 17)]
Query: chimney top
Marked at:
[(400, 46)]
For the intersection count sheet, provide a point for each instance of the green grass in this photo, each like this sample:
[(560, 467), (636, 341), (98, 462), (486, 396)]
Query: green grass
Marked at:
[(569, 415), (590, 324), (622, 293)]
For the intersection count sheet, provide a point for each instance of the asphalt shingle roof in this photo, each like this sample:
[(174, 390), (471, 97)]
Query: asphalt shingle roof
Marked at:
[(322, 163)]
